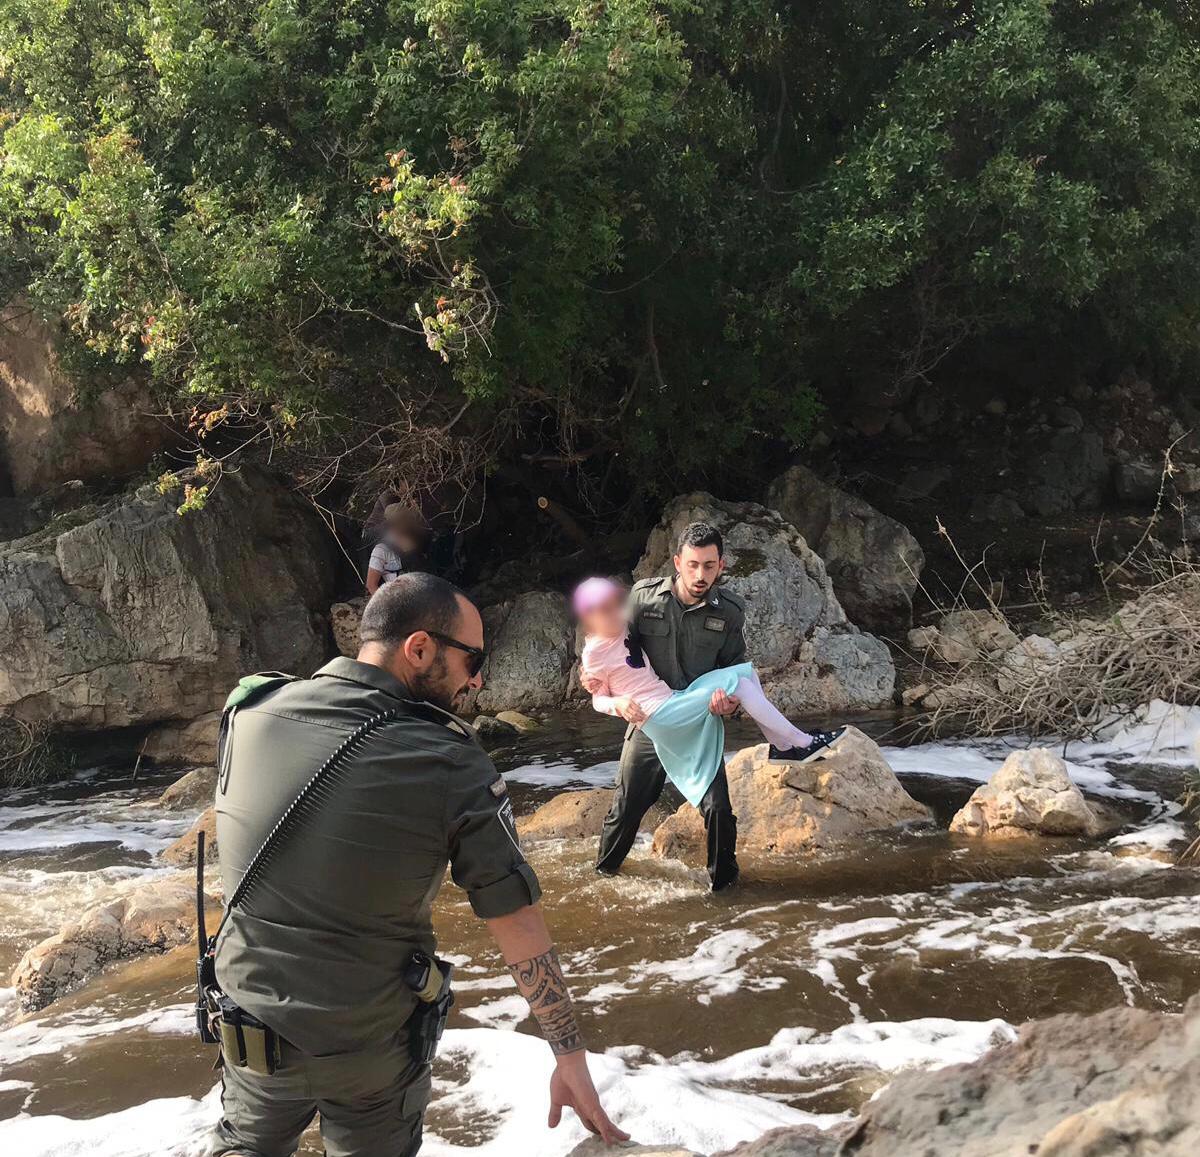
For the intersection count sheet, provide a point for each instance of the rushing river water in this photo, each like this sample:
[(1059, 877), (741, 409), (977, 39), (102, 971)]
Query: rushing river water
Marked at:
[(791, 999)]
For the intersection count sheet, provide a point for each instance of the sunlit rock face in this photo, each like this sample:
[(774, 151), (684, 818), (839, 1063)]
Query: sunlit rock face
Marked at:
[(790, 807), (811, 657), (51, 430), (152, 918), (133, 614), (1031, 795)]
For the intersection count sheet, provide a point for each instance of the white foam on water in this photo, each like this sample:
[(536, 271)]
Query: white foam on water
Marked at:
[(929, 1042), (714, 965), (172, 1127), (505, 1013), (62, 1033), (1157, 837), (658, 1103), (563, 773)]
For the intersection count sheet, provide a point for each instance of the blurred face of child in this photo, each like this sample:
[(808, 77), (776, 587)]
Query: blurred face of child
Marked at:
[(607, 618), (402, 540)]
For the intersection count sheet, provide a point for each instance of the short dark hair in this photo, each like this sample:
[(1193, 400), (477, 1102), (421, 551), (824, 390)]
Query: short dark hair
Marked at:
[(409, 603), (697, 534)]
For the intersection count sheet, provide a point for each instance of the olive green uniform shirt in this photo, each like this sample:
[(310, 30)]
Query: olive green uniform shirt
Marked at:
[(682, 642), (318, 950)]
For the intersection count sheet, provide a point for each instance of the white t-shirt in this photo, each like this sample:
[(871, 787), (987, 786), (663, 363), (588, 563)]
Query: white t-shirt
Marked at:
[(387, 561)]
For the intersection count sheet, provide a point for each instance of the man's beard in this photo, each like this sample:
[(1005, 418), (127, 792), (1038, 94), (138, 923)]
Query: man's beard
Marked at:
[(436, 687)]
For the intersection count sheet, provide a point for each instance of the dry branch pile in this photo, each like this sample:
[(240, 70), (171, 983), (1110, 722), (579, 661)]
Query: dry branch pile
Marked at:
[(1085, 676)]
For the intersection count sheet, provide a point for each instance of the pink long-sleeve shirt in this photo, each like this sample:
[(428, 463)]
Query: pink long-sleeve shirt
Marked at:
[(604, 658)]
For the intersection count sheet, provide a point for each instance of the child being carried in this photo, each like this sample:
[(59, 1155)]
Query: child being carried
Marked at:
[(687, 737)]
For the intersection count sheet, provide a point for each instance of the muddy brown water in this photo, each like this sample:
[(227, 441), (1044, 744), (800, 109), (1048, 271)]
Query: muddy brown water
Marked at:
[(902, 927)]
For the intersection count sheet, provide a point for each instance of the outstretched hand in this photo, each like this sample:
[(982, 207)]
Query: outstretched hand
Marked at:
[(722, 703), (571, 1088)]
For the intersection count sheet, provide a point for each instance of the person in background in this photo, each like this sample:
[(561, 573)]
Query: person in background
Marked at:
[(399, 549)]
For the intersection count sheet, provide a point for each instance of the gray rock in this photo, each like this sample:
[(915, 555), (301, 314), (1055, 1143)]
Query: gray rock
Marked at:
[(794, 1141), (997, 508), (963, 636), (1031, 795), (344, 619), (138, 615), (1121, 1083), (531, 647), (1138, 481), (796, 631), (873, 561), (194, 741), (1063, 471), (190, 791)]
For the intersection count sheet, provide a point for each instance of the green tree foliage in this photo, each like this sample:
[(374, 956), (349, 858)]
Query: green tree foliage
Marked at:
[(655, 234)]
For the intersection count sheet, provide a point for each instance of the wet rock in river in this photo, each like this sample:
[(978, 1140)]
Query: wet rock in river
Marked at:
[(182, 853), (519, 721), (594, 1147), (799, 807), (873, 561), (809, 654), (493, 732), (191, 791), (578, 815), (1031, 795), (152, 918)]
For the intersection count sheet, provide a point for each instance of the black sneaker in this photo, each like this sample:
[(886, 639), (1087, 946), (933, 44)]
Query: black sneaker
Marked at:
[(820, 741)]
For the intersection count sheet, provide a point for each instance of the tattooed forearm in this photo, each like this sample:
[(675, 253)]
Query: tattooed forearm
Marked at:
[(542, 983)]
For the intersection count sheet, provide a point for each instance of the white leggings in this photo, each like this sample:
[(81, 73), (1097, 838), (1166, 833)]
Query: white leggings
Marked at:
[(771, 721)]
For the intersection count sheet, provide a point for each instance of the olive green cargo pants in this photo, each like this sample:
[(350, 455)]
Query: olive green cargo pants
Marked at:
[(371, 1104)]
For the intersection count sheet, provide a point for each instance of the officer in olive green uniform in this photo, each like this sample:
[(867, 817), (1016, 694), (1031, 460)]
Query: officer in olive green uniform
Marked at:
[(327, 946), (681, 641), (321, 956)]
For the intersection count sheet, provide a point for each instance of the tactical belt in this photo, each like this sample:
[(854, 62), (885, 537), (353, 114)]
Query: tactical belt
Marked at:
[(244, 1039)]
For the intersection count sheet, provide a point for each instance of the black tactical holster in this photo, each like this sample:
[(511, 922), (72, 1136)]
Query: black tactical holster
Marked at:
[(429, 977)]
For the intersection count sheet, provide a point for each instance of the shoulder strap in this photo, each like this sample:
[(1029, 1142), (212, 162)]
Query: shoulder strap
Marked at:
[(303, 806)]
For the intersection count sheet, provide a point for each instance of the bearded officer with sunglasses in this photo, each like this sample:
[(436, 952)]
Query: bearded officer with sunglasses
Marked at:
[(329, 953)]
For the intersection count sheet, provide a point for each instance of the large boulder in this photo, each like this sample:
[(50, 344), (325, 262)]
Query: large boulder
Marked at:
[(578, 815), (151, 918), (51, 430), (809, 654), (1031, 795), (873, 561), (1062, 471), (1121, 1083), (136, 614), (531, 646), (788, 807)]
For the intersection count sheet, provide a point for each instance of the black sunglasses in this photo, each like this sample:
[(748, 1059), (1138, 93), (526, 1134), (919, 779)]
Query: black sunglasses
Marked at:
[(476, 655)]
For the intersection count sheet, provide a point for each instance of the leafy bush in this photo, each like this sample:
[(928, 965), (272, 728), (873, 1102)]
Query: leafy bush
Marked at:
[(643, 238)]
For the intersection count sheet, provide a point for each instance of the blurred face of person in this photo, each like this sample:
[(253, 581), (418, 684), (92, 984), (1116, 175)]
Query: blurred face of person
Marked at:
[(607, 618), (698, 568)]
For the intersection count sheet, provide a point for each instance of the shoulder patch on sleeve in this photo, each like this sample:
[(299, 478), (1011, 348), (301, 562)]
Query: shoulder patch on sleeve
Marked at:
[(498, 787)]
